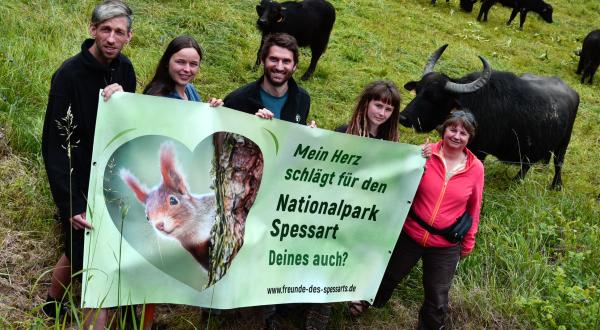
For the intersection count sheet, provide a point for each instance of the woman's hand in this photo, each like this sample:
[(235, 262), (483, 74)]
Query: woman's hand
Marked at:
[(214, 102), (264, 113), (426, 149)]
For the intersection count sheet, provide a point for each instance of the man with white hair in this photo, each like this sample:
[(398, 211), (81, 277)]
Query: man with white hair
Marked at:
[(68, 136)]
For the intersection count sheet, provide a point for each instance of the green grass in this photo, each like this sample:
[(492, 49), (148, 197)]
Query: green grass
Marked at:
[(537, 261)]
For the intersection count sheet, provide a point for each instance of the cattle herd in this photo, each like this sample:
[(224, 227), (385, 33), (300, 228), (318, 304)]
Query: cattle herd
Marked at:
[(522, 119), (520, 7)]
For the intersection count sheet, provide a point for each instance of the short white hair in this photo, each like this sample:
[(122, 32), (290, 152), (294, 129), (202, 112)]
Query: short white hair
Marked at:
[(110, 9)]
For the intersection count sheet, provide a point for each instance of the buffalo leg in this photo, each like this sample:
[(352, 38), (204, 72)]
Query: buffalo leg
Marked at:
[(522, 18), (513, 14), (592, 70), (262, 40), (557, 180), (585, 72), (582, 58), (480, 12), (559, 155), (316, 52), (485, 8), (522, 172)]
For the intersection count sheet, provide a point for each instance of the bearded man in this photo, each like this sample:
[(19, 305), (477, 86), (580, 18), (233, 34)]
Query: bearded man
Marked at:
[(275, 94)]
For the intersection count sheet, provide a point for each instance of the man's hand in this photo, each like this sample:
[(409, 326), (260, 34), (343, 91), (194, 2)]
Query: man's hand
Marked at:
[(79, 222), (110, 90), (312, 124), (264, 113)]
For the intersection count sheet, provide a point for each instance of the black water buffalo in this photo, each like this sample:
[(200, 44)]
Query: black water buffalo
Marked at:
[(518, 6), (590, 56), (466, 5), (521, 119), (309, 21)]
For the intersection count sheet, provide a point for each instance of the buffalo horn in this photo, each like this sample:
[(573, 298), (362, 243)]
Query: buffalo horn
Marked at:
[(474, 85), (433, 59)]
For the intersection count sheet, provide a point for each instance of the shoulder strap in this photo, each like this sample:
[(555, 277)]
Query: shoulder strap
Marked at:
[(426, 225)]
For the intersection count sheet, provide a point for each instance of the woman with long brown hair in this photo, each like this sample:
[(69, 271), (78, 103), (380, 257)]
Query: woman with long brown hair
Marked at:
[(175, 71), (376, 112), (376, 116)]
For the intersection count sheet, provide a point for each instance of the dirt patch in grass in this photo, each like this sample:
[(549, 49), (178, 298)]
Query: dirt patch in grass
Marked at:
[(23, 261), (26, 255)]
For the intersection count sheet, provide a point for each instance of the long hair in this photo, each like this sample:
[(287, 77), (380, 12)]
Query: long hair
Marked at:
[(379, 90), (162, 83)]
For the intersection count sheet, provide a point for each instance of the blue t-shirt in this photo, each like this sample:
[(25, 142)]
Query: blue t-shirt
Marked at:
[(190, 92), (273, 103)]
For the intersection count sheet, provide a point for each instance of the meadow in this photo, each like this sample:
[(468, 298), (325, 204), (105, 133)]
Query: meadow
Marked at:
[(537, 259)]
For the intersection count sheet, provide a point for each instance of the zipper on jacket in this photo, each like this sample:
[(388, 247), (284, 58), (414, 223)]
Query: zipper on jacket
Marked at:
[(438, 203), (435, 209)]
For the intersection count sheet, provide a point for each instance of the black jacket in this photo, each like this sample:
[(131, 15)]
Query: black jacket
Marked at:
[(76, 84), (247, 99)]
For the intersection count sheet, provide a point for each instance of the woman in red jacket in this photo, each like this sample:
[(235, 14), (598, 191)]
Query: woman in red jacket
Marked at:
[(451, 185)]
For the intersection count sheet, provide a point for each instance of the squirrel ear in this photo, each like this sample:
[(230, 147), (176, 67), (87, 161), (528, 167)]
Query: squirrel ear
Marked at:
[(140, 191), (172, 178)]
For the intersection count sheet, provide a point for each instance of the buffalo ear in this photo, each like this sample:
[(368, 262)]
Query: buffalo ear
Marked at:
[(260, 9), (280, 13), (411, 86)]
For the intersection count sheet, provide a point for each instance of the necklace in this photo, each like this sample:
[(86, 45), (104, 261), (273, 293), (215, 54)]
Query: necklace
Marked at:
[(454, 166)]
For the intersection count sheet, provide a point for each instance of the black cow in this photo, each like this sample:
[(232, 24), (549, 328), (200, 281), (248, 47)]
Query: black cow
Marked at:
[(466, 5), (518, 6), (309, 21), (590, 56), (521, 119)]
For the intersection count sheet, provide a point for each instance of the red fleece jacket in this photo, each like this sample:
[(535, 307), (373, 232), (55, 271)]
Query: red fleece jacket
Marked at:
[(440, 203)]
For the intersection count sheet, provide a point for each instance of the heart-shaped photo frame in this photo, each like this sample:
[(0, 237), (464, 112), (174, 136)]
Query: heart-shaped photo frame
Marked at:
[(151, 213), (184, 211)]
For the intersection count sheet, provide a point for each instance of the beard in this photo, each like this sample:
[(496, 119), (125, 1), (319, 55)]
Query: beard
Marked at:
[(268, 76)]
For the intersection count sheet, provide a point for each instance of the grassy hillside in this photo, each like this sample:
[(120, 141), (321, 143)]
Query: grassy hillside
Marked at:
[(537, 259)]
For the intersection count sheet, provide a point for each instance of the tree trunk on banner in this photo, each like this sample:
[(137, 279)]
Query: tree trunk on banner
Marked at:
[(237, 171)]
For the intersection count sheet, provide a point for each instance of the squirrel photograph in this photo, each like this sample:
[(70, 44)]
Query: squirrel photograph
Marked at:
[(172, 210)]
